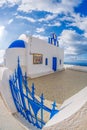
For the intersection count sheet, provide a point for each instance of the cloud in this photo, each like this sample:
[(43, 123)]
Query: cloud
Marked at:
[(52, 18), (85, 35), (54, 24), (39, 30), (9, 2), (10, 21), (2, 52), (73, 43), (57, 24), (80, 22), (3, 35), (42, 5), (41, 37), (26, 18), (2, 28), (48, 17), (49, 5)]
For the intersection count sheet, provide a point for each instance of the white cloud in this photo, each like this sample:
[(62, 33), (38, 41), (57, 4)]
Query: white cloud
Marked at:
[(2, 2), (70, 51), (2, 31), (26, 18), (9, 2), (73, 43), (48, 5), (42, 5), (66, 37), (85, 35), (2, 52), (38, 30), (55, 24), (48, 17), (10, 21), (80, 22), (41, 37)]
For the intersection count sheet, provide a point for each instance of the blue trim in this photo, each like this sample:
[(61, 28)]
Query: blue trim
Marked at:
[(17, 44)]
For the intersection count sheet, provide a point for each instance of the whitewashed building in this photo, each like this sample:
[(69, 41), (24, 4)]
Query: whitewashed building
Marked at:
[(37, 57)]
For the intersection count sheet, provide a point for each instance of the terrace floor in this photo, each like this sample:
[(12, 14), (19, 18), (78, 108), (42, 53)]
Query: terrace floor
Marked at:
[(59, 86)]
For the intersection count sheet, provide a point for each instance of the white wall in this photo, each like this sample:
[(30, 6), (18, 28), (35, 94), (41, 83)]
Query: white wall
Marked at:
[(5, 89), (71, 115), (34, 45), (48, 50), (11, 58)]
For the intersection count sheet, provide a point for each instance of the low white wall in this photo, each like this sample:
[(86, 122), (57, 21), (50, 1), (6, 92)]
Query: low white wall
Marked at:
[(67, 117), (77, 68), (5, 89)]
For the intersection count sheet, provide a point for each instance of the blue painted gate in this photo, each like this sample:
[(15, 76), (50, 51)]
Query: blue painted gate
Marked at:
[(54, 63), (27, 104)]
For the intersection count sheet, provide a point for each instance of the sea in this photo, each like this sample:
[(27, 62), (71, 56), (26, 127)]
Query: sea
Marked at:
[(77, 63)]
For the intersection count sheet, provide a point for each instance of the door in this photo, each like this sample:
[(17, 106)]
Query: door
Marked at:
[(54, 62)]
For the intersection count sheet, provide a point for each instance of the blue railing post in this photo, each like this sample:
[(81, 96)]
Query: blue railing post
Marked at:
[(33, 91), (25, 79), (42, 103), (25, 83), (54, 110), (20, 79)]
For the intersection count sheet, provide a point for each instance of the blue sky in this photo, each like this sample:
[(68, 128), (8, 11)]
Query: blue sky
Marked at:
[(67, 18)]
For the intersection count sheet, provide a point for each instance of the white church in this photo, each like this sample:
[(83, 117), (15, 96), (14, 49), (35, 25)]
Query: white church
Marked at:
[(37, 57)]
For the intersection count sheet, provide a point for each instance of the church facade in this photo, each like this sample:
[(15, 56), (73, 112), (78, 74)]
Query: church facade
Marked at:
[(37, 57)]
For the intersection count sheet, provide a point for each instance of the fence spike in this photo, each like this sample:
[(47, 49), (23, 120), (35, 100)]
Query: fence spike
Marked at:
[(33, 90), (42, 98), (18, 60), (54, 110), (54, 105), (15, 73), (25, 76), (25, 79)]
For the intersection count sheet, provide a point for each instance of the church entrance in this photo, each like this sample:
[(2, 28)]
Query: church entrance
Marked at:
[(54, 63)]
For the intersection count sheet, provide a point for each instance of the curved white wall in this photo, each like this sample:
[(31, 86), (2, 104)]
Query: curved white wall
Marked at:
[(11, 57), (5, 89), (71, 113)]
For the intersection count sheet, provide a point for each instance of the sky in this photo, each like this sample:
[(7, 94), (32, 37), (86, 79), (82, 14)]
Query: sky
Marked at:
[(66, 18)]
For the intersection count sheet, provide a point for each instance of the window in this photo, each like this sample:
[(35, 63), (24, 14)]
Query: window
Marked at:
[(60, 62), (46, 61), (37, 58)]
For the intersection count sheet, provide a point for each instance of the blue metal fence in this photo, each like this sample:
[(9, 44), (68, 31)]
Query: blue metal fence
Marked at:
[(26, 102)]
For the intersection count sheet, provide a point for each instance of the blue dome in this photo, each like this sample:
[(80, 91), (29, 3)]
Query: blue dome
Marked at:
[(17, 44)]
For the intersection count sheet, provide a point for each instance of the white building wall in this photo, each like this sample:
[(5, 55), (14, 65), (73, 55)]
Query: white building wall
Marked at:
[(11, 58), (48, 50), (34, 45)]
